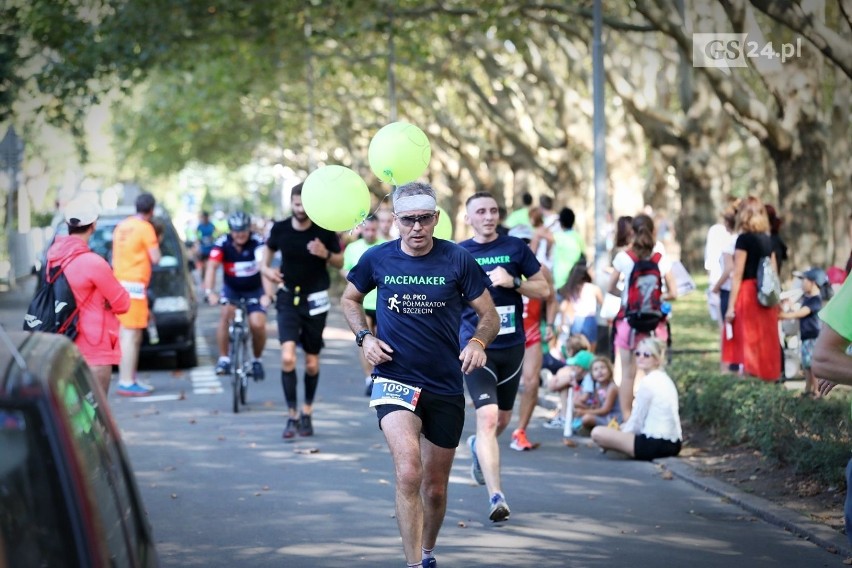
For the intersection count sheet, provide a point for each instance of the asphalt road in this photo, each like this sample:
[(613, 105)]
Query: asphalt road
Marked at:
[(226, 490)]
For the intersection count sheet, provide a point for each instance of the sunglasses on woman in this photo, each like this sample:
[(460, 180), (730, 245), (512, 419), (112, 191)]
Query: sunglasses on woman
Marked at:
[(643, 354), (424, 220)]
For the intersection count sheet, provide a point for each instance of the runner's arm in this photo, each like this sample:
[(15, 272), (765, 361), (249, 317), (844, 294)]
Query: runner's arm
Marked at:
[(375, 350), (473, 355), (830, 361), (352, 304), (269, 273), (535, 287), (155, 255)]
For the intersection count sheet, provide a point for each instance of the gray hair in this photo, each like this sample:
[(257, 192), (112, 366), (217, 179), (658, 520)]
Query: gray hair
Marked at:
[(413, 189)]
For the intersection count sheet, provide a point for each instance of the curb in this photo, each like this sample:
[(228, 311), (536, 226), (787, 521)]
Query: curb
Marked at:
[(792, 521)]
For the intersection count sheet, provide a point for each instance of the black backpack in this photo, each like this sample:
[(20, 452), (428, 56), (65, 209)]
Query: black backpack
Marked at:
[(53, 308)]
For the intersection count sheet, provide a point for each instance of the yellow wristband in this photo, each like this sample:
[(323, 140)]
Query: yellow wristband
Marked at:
[(477, 340)]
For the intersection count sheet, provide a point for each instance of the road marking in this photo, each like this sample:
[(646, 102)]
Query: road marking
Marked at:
[(205, 381), (156, 398)]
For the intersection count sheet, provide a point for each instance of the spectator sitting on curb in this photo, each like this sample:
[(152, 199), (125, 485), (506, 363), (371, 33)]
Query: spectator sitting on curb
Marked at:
[(653, 429), (553, 361), (607, 407), (575, 374)]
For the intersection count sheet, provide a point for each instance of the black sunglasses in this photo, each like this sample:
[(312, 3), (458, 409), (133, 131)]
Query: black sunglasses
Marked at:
[(643, 354), (424, 220)]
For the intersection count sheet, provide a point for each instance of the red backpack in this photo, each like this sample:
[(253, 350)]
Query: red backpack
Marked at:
[(643, 311)]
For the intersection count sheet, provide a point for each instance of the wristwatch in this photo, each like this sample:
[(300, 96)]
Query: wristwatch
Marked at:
[(516, 282), (359, 337)]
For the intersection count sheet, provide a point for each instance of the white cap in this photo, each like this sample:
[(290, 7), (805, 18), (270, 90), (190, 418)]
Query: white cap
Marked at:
[(81, 211)]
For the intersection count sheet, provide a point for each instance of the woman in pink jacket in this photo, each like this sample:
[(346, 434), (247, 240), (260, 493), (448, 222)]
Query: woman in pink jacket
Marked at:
[(98, 294)]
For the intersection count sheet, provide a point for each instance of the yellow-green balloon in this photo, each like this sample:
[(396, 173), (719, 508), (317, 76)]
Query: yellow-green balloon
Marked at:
[(335, 198), (399, 153), (444, 228)]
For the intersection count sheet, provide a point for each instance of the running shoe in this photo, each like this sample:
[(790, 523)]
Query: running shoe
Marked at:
[(291, 428), (555, 423), (499, 508), (430, 563), (223, 368), (305, 426), (475, 469), (257, 371), (520, 442), (134, 389)]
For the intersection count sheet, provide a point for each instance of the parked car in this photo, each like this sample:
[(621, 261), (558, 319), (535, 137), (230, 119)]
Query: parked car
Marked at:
[(68, 495), (174, 301)]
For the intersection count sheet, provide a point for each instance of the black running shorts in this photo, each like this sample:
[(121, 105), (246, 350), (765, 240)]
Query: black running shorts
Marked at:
[(497, 382), (442, 417)]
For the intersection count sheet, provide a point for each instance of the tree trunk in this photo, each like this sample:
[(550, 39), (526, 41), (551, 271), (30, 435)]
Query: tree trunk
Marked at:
[(802, 197)]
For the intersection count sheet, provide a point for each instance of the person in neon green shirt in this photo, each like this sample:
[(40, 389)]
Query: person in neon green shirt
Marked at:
[(832, 362), (520, 216), (568, 248), (351, 254)]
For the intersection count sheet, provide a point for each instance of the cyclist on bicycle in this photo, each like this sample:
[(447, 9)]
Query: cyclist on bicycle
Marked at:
[(240, 253)]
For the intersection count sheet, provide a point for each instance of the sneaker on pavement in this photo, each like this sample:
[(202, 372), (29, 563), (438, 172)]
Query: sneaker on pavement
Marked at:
[(257, 371), (305, 426), (499, 508), (291, 428), (134, 389), (430, 563), (555, 423), (520, 442), (223, 368), (475, 469)]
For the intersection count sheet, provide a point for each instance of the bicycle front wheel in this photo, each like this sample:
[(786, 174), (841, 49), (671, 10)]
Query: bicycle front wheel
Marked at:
[(236, 367), (244, 371)]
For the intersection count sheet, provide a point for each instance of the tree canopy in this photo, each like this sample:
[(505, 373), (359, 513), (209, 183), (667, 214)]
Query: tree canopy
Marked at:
[(503, 89)]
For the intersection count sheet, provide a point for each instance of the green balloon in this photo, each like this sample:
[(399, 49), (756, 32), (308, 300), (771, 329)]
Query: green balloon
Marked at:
[(335, 198), (444, 228), (399, 153)]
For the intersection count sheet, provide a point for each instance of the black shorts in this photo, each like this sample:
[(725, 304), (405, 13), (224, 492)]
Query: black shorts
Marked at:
[(497, 382), (295, 324), (551, 363), (442, 417), (647, 449)]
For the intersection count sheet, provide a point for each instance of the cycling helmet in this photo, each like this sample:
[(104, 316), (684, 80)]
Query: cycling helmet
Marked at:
[(239, 221)]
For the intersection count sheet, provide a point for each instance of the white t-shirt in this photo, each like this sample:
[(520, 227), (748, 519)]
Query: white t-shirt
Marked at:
[(717, 236), (717, 241), (624, 265), (656, 410), (586, 306), (727, 248)]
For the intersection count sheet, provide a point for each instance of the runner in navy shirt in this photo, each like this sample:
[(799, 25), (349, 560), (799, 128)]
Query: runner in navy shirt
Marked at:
[(423, 285), (513, 270), (239, 253), (302, 302)]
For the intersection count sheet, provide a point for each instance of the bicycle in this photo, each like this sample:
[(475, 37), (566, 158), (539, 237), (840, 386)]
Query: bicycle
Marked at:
[(240, 334)]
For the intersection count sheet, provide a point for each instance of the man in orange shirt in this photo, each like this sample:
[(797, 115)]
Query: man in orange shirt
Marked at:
[(135, 249)]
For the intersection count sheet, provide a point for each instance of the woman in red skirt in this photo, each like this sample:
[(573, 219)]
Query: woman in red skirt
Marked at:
[(755, 339)]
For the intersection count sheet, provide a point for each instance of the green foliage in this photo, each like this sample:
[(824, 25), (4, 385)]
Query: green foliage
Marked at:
[(813, 436)]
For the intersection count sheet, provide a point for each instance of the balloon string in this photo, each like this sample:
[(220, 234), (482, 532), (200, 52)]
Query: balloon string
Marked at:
[(376, 210)]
